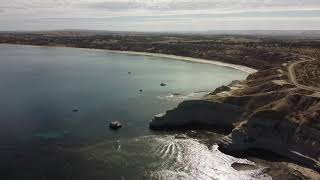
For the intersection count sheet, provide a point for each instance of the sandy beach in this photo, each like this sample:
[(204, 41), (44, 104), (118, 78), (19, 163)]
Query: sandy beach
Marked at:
[(168, 56)]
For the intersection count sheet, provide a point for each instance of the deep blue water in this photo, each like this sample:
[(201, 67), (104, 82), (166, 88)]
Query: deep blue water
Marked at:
[(41, 86)]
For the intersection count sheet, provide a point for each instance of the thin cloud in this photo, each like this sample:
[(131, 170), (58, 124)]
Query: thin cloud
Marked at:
[(220, 5), (161, 5), (91, 14)]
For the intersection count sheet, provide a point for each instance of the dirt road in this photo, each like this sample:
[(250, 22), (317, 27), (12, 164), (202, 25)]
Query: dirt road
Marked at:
[(293, 79)]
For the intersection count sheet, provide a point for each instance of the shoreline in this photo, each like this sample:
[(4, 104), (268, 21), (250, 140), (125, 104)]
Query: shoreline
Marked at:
[(182, 58), (168, 56)]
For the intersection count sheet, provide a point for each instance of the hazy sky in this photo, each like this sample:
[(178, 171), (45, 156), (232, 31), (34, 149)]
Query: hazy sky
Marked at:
[(160, 15)]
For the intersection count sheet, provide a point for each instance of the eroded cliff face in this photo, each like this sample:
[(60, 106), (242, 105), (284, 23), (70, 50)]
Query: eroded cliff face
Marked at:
[(198, 113), (266, 111), (276, 131)]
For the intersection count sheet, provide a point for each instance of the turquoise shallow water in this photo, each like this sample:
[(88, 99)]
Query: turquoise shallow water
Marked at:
[(40, 87)]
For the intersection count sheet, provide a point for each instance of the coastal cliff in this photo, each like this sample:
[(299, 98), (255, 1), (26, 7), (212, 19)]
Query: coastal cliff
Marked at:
[(266, 111), (198, 113)]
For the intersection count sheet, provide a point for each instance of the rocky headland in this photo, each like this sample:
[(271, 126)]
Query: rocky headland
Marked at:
[(267, 111)]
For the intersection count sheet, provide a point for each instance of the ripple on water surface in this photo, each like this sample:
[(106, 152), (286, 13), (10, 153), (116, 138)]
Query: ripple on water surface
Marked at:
[(168, 157)]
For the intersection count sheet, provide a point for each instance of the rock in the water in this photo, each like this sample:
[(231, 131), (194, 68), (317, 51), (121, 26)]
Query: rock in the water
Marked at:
[(129, 72), (141, 90), (115, 125), (75, 110), (163, 84)]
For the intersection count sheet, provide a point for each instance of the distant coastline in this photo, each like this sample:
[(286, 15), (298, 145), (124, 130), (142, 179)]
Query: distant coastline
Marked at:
[(168, 56)]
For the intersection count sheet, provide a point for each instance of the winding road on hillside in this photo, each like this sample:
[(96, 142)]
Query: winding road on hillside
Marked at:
[(293, 79)]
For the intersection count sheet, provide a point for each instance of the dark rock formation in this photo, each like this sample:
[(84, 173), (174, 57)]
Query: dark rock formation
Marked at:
[(163, 84), (115, 125), (221, 89), (198, 113)]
